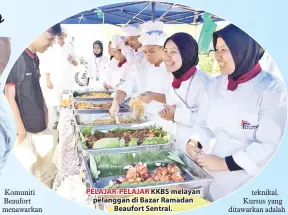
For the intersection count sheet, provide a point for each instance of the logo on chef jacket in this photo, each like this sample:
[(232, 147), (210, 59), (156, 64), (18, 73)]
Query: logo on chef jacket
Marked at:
[(247, 126)]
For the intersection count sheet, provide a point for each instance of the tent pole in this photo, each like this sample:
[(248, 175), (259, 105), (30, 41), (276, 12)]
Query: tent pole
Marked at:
[(167, 11), (122, 6), (164, 20), (138, 13), (153, 10), (177, 20), (116, 15), (131, 14)]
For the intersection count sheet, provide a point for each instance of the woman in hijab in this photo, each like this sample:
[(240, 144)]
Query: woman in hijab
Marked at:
[(97, 67), (185, 94), (244, 110)]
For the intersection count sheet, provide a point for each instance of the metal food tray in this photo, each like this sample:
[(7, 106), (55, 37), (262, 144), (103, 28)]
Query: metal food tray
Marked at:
[(167, 145), (197, 177), (80, 93), (88, 118), (94, 111)]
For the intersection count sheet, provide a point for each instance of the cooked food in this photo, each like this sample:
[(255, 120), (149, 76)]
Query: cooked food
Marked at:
[(122, 137), (139, 173), (96, 95), (91, 106), (66, 102), (137, 107)]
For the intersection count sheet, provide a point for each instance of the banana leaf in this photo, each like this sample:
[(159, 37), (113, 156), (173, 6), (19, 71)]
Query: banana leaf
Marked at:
[(122, 143), (83, 141), (114, 160), (93, 167), (133, 142), (112, 164), (175, 157), (122, 129), (87, 130), (107, 143), (159, 132), (155, 140)]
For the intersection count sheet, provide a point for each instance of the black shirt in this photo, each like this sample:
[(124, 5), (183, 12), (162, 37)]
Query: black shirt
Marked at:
[(25, 76)]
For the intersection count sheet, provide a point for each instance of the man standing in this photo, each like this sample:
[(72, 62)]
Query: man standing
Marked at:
[(7, 123), (59, 72), (35, 144), (133, 49)]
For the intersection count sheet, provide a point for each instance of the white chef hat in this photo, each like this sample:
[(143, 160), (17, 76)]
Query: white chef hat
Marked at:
[(64, 30), (118, 42), (131, 30), (152, 33)]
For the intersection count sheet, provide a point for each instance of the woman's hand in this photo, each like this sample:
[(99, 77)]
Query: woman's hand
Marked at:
[(192, 149), (212, 163), (168, 112)]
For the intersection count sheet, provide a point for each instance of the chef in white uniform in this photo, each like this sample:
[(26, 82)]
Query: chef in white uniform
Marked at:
[(244, 109), (60, 74), (268, 64), (149, 79), (133, 48), (185, 92), (119, 68), (97, 67)]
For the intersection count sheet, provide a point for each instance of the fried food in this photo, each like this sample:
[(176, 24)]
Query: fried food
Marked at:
[(137, 107), (66, 102), (139, 173), (91, 106), (97, 95)]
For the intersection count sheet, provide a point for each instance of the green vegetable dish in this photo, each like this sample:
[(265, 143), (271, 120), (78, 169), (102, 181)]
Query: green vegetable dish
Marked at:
[(122, 137)]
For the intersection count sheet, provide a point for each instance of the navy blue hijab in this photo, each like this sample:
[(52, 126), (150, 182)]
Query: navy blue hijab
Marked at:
[(246, 52), (98, 42), (188, 49)]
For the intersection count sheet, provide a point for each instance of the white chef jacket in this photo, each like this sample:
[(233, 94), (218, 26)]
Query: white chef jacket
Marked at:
[(147, 77), (117, 75), (268, 64), (133, 56), (97, 67), (247, 123), (62, 74), (61, 71), (187, 99)]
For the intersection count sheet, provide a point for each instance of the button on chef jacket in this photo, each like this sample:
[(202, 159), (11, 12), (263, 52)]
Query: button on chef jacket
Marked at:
[(117, 75), (247, 123), (100, 64)]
